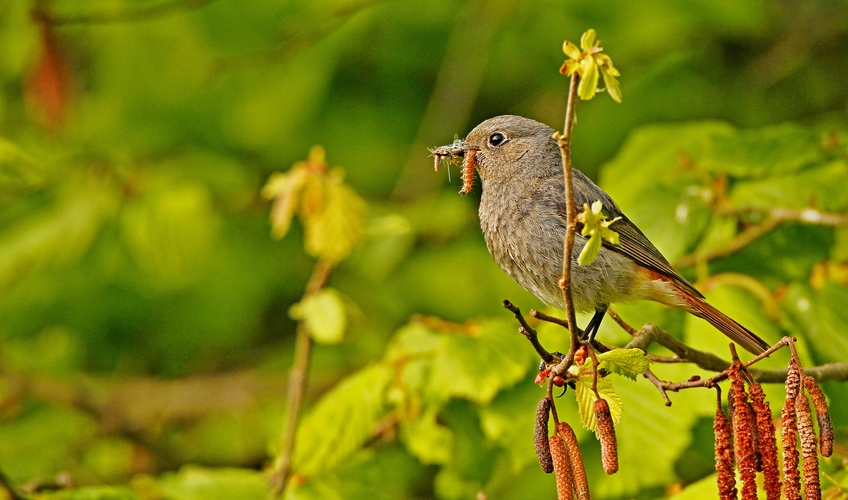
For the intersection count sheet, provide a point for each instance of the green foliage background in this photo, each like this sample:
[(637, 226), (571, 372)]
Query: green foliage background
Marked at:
[(145, 334)]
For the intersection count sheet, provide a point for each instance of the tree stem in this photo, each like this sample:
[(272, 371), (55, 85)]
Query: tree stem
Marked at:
[(297, 386), (564, 143)]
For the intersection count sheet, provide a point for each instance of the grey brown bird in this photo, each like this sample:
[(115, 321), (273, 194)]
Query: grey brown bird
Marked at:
[(522, 214)]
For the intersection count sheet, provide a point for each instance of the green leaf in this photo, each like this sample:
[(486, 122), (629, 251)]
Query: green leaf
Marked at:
[(596, 226), (586, 397), (342, 421), (630, 363), (823, 186), (193, 482), (509, 421), (324, 315), (822, 319), (587, 41), (333, 231), (17, 168), (764, 152), (651, 430), (479, 362), (58, 236), (571, 50), (169, 232), (284, 189), (611, 83), (426, 439), (590, 250)]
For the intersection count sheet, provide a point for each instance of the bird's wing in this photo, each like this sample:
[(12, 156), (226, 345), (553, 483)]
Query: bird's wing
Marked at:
[(631, 242), (635, 245)]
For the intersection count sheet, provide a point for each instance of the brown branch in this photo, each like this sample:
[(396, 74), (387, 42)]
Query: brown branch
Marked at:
[(773, 217), (711, 382), (648, 374), (529, 332), (743, 239), (623, 324), (651, 333), (708, 361), (42, 13), (564, 143), (297, 386)]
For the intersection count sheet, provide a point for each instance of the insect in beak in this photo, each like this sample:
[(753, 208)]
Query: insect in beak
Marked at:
[(453, 152)]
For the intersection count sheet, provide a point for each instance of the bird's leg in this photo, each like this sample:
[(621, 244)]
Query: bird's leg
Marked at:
[(594, 324)]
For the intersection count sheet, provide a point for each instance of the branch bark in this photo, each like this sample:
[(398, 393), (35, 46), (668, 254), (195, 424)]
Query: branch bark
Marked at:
[(297, 386), (564, 143)]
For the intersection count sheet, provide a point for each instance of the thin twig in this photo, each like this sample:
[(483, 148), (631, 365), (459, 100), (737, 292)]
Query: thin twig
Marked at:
[(648, 374), (623, 324), (297, 386), (552, 319), (564, 143), (529, 332), (774, 217), (712, 381)]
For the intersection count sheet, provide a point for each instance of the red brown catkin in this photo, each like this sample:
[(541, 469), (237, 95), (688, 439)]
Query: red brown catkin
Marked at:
[(743, 434), (812, 488), (767, 442), (540, 436), (468, 162), (724, 457), (822, 414), (606, 434), (562, 468), (789, 432), (575, 458)]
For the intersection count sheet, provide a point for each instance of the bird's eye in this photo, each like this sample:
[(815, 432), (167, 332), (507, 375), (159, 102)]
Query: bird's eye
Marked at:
[(496, 139)]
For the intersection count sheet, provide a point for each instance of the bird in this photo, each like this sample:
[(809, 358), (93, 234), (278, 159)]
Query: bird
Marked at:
[(522, 215)]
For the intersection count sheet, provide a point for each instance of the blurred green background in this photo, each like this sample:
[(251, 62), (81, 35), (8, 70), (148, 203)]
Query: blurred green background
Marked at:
[(144, 317)]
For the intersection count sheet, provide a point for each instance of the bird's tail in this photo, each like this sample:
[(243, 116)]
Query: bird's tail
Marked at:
[(737, 333)]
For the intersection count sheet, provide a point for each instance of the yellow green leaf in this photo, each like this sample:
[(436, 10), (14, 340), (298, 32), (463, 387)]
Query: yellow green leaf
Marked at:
[(627, 362), (590, 250), (571, 50), (587, 40), (586, 397), (596, 227), (323, 314), (588, 79), (333, 231), (284, 189), (611, 83)]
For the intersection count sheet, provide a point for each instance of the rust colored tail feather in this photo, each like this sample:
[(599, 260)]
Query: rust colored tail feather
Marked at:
[(737, 333)]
